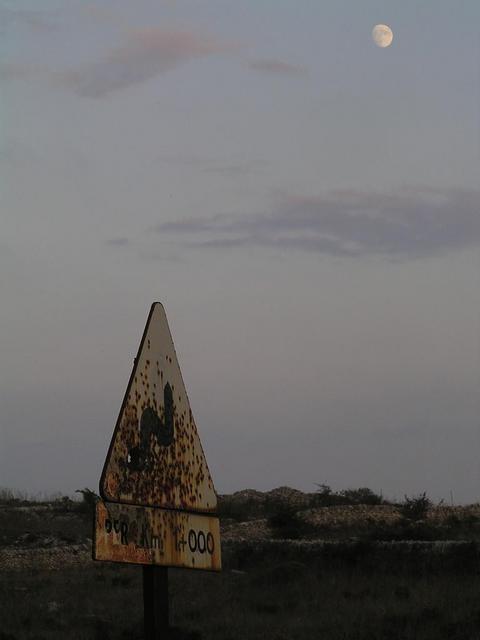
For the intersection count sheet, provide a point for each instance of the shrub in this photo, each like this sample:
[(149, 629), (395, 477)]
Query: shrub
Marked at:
[(241, 511), (89, 499), (363, 495), (415, 507), (12, 496), (285, 524), (326, 497)]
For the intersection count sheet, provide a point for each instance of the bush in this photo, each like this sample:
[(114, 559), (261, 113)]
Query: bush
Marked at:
[(241, 511), (286, 524), (12, 497), (364, 495), (89, 499), (415, 507), (326, 497)]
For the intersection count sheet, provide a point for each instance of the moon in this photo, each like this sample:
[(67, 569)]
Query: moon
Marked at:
[(382, 35)]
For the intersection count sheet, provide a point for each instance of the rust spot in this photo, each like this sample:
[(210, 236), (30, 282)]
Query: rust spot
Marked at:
[(156, 458)]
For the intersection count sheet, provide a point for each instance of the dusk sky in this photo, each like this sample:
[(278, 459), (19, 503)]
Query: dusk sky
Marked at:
[(304, 203)]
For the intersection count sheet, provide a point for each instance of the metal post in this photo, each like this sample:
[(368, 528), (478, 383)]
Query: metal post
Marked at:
[(155, 602)]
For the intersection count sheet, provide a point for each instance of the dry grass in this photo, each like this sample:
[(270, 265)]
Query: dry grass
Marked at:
[(269, 589), (98, 601), (277, 600)]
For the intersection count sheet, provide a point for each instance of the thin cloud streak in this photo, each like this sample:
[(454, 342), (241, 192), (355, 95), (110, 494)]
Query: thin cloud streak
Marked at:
[(41, 21), (21, 70), (118, 242), (416, 222), (222, 166), (146, 54)]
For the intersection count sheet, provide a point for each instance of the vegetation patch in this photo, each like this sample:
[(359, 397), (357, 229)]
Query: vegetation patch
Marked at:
[(337, 565)]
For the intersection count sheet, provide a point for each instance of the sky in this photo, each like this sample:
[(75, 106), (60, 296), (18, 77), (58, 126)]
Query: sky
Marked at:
[(305, 204)]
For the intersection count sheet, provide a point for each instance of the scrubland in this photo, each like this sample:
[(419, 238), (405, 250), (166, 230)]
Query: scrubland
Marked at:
[(294, 568)]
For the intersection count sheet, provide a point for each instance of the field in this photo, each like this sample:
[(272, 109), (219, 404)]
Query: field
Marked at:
[(331, 586)]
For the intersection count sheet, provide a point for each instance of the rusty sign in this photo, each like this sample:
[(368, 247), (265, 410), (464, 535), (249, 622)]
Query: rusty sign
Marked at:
[(155, 457), (145, 535), (158, 496)]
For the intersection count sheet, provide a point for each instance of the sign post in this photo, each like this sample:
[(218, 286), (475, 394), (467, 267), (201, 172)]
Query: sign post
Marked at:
[(158, 506), (155, 602)]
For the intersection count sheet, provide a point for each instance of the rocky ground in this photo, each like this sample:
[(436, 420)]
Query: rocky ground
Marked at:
[(293, 569), (59, 534)]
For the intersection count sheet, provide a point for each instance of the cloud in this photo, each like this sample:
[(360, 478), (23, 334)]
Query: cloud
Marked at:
[(118, 242), (145, 54), (415, 222), (20, 70), (277, 67), (34, 20), (226, 166), (233, 169)]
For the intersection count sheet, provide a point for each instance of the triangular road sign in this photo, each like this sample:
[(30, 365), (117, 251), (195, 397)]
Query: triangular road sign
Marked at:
[(155, 456)]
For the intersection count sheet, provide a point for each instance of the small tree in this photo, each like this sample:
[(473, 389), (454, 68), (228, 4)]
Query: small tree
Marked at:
[(324, 496), (286, 524), (416, 507), (89, 499), (363, 495)]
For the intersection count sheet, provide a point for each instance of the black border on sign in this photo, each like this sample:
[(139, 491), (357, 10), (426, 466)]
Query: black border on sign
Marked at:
[(103, 495)]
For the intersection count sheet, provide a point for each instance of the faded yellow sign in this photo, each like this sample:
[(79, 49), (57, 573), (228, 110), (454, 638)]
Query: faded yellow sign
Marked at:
[(157, 489), (155, 457), (145, 535)]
